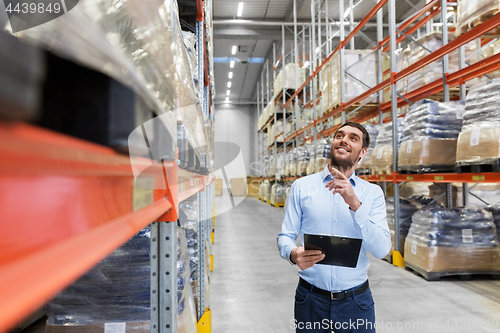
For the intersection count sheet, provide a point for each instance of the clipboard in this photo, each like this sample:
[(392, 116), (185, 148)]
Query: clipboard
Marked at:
[(339, 251)]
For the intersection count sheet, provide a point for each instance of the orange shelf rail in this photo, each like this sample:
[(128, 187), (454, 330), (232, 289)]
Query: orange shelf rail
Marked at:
[(66, 204)]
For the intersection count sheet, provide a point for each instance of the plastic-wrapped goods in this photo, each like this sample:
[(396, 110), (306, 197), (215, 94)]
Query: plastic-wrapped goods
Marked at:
[(262, 189), (303, 162), (480, 136), (360, 64), (453, 240), (363, 166), (277, 195), (280, 165), (407, 207), (430, 136), (292, 72), (373, 133), (381, 162), (494, 209), (434, 70), (291, 167), (471, 13), (118, 290), (271, 171), (312, 159), (190, 42), (402, 61), (267, 192), (322, 156)]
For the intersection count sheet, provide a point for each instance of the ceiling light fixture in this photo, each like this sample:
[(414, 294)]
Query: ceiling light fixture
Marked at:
[(240, 9), (228, 92), (233, 50), (230, 75), (231, 64), (277, 62), (227, 99), (306, 64), (229, 84)]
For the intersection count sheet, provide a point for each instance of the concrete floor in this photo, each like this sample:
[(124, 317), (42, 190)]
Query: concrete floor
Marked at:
[(252, 288)]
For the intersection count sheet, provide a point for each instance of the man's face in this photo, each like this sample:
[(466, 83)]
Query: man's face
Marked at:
[(347, 148)]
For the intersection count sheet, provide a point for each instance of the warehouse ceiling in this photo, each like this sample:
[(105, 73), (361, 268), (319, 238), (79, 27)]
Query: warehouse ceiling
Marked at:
[(255, 37)]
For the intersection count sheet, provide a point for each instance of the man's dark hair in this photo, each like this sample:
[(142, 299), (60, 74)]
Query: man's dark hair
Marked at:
[(366, 136)]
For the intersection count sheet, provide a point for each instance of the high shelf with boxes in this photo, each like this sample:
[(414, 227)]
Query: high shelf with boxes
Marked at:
[(428, 66), (84, 189)]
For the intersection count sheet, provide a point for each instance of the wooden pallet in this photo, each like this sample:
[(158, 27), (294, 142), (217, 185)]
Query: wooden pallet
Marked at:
[(488, 165), (421, 169), (479, 20), (437, 276), (277, 205), (381, 171)]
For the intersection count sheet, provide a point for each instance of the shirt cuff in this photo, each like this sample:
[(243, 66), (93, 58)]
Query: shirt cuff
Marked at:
[(360, 216), (290, 255)]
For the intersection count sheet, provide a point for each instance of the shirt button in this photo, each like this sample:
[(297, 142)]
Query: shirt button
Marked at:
[(336, 202), (335, 220)]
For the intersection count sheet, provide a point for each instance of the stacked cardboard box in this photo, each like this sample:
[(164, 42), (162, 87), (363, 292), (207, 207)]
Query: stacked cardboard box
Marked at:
[(238, 187)]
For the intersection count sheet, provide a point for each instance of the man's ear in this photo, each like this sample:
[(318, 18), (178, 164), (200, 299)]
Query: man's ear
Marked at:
[(362, 153)]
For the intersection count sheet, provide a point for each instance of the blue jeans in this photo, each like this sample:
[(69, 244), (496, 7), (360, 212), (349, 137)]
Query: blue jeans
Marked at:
[(317, 314)]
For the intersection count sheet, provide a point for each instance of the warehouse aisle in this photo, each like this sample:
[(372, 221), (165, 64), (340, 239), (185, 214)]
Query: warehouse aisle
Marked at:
[(252, 288)]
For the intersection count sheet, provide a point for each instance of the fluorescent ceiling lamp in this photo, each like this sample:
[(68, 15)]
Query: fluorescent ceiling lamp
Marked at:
[(240, 9), (230, 75), (231, 64), (233, 50), (229, 84), (347, 12), (227, 99), (306, 64), (228, 92), (277, 62)]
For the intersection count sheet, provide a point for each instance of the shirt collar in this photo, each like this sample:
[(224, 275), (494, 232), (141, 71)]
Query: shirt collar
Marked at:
[(326, 175)]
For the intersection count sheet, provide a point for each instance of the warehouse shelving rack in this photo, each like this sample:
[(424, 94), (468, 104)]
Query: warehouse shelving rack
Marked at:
[(421, 19), (68, 203)]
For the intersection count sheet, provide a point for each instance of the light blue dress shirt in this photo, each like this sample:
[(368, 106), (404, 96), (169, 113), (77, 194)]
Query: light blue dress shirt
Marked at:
[(313, 209)]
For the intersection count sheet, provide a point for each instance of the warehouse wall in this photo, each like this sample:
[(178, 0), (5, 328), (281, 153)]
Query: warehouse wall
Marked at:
[(237, 124)]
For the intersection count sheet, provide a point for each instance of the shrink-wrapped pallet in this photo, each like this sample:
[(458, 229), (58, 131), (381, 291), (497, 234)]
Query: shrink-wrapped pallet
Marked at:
[(277, 195), (471, 13), (381, 162), (479, 141), (457, 240), (360, 67), (293, 73), (322, 156), (303, 162), (431, 130)]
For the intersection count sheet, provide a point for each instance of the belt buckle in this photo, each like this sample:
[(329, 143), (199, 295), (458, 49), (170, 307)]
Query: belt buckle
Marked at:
[(338, 295)]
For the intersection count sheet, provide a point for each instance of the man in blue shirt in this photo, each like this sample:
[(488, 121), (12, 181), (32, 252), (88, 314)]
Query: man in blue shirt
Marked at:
[(335, 202)]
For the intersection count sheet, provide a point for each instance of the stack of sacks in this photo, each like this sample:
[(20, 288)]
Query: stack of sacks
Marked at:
[(479, 141), (471, 13), (303, 162), (365, 163), (312, 160), (360, 64), (291, 167), (277, 195), (430, 136), (118, 290), (407, 207), (280, 165), (277, 130), (267, 113), (292, 73), (382, 152), (402, 61), (453, 240), (434, 70), (495, 212), (272, 166), (188, 220), (322, 154), (263, 189)]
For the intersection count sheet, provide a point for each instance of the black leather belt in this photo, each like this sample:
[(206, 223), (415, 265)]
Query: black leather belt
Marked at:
[(334, 295)]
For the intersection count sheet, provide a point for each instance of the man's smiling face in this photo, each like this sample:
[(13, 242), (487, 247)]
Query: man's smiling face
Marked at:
[(347, 147)]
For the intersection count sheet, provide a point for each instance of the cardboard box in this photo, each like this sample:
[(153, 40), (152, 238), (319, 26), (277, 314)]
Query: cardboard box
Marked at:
[(382, 160), (427, 152), (451, 259), (253, 184), (238, 187), (218, 186), (478, 144)]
